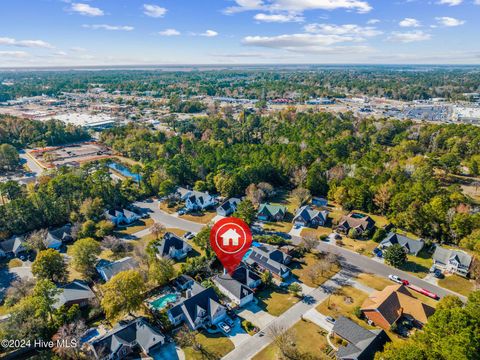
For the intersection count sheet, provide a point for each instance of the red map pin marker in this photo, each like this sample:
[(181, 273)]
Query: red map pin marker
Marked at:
[(230, 238)]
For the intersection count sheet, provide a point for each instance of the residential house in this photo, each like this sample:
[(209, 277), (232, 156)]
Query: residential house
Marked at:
[(75, 292), (12, 247), (239, 293), (319, 202), (183, 282), (121, 217), (173, 247), (57, 237), (452, 261), (196, 200), (362, 344), (384, 308), (411, 246), (306, 216), (269, 212), (360, 222), (228, 207), (124, 341), (200, 309), (269, 258), (108, 269), (247, 277)]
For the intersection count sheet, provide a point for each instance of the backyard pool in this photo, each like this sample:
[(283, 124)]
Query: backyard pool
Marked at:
[(162, 302), (249, 251), (89, 335)]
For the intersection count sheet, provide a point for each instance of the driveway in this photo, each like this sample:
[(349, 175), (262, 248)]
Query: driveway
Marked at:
[(237, 335), (169, 221), (296, 232), (319, 319), (7, 276), (256, 315), (168, 351)]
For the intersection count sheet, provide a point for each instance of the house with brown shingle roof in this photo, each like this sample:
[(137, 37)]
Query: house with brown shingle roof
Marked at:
[(359, 222), (384, 308)]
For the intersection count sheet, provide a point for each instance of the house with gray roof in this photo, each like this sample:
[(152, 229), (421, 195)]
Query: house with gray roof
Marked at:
[(108, 269), (12, 247), (173, 247), (411, 246), (128, 341), (239, 293), (247, 277), (199, 309), (306, 216), (196, 200), (75, 292), (452, 261), (228, 207), (362, 344), (269, 258), (269, 212)]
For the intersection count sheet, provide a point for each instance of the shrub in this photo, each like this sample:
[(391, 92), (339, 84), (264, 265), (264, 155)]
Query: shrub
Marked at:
[(357, 312)]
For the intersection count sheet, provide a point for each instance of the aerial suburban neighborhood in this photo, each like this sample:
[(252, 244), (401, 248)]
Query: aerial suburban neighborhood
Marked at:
[(240, 180)]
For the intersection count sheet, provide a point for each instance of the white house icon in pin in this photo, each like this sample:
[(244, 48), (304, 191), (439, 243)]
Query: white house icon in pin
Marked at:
[(230, 237)]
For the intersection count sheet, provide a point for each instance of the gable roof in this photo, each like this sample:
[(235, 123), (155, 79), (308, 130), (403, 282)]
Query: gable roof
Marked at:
[(170, 240), (63, 234), (230, 204), (110, 269), (244, 275), (14, 245), (360, 340), (306, 213), (395, 300), (74, 291), (272, 210), (443, 256), (206, 300), (233, 286), (139, 331), (354, 220), (195, 196), (263, 259), (414, 246)]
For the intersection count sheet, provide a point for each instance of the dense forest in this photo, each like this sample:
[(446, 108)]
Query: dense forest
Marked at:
[(399, 169), (263, 83)]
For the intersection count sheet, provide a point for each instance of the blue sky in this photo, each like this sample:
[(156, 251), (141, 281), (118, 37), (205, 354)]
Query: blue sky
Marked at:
[(134, 32)]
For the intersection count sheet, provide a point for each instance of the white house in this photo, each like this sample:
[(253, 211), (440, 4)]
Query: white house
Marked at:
[(173, 247), (452, 261), (196, 200), (119, 217), (239, 293), (108, 269)]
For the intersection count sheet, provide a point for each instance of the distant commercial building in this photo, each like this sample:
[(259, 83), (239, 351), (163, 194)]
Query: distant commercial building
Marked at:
[(320, 101), (87, 120)]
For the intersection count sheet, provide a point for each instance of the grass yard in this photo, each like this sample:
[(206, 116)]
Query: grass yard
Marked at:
[(380, 220), (310, 339), (275, 300), (283, 198), (363, 247), (343, 302), (418, 265), (373, 281), (302, 269), (316, 233), (13, 263), (216, 345), (163, 206), (137, 226), (457, 283), (202, 218), (281, 226)]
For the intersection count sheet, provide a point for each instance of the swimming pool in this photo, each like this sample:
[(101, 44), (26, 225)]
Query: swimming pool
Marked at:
[(249, 251), (125, 171), (89, 335), (163, 301)]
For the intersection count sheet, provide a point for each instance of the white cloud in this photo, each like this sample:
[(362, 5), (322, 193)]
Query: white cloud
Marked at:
[(209, 33), (409, 22), (25, 43), (356, 31), (373, 21), (154, 11), (451, 2), (108, 27), (169, 32), (449, 21), (411, 36), (299, 6), (278, 18), (14, 54), (87, 10)]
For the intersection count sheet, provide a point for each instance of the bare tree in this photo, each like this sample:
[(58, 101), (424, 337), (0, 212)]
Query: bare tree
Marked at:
[(254, 194), (36, 240), (157, 230), (301, 195), (18, 290), (332, 259), (115, 244), (285, 340), (299, 176), (69, 335), (309, 243)]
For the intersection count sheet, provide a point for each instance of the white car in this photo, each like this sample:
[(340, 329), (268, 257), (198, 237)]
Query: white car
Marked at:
[(395, 278), (224, 327)]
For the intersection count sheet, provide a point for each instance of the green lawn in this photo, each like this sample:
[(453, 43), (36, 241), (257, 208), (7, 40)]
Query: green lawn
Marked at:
[(310, 339), (275, 300), (418, 265), (216, 346), (373, 281), (363, 247), (343, 302), (457, 283), (316, 233), (137, 226), (202, 218)]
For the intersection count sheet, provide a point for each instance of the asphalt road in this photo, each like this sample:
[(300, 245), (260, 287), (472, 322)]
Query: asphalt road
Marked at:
[(32, 165)]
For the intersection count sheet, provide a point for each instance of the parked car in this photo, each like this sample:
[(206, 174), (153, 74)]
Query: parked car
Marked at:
[(189, 235), (224, 327), (438, 274), (283, 285), (298, 226), (395, 278), (181, 212), (330, 319)]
